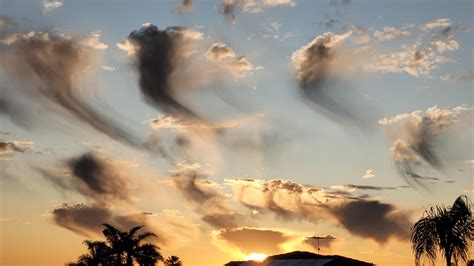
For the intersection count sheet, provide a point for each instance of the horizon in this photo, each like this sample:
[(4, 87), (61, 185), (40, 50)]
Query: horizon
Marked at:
[(232, 129)]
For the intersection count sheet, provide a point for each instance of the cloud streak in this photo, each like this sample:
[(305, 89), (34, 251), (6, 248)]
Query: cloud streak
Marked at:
[(414, 136), (47, 68), (161, 59)]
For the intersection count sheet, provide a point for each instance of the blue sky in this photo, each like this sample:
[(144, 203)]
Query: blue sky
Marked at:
[(280, 134)]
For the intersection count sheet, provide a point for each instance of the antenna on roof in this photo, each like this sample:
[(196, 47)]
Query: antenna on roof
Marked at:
[(320, 237)]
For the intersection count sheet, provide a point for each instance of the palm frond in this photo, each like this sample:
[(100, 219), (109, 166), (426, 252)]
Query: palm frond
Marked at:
[(135, 229), (145, 235)]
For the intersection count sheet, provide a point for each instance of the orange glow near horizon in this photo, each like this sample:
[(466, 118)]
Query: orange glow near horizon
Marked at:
[(256, 256)]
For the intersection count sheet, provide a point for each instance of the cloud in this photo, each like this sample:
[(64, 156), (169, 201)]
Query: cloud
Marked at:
[(163, 63), (415, 133), (189, 179), (466, 77), (372, 219), (369, 173), (224, 56), (292, 201), (93, 41), (4, 22), (126, 46), (436, 23), (317, 242), (450, 45), (87, 219), (340, 2), (320, 67), (390, 33), (254, 240), (110, 68), (47, 68), (257, 6), (229, 7), (352, 187), (414, 62), (15, 146), (93, 177), (185, 5), (50, 5)]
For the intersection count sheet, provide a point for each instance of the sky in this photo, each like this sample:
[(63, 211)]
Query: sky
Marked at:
[(231, 127)]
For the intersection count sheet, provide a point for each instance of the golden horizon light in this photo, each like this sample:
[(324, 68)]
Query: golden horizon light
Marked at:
[(256, 256)]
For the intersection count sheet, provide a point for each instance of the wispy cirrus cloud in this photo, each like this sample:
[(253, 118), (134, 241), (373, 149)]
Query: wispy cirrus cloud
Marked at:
[(462, 78)]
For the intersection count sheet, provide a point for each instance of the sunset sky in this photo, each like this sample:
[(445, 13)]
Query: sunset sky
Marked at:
[(231, 127)]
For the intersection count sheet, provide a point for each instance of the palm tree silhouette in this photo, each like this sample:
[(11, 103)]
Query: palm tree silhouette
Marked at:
[(120, 248), (173, 261), (451, 229)]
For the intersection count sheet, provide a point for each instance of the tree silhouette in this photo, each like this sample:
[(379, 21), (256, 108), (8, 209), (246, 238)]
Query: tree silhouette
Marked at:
[(173, 261), (450, 229), (120, 248)]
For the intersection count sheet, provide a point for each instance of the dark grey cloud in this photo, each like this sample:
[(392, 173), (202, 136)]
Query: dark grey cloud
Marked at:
[(224, 220), (46, 68), (372, 219), (317, 66), (87, 219), (316, 242), (6, 147), (205, 198), (228, 8), (186, 5), (362, 187), (93, 177), (159, 56)]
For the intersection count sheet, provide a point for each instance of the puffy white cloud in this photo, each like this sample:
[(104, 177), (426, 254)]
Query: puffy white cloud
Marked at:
[(442, 46), (224, 56), (127, 46), (257, 6), (436, 23), (50, 5), (305, 55), (109, 68), (369, 173), (93, 41), (413, 62), (390, 33)]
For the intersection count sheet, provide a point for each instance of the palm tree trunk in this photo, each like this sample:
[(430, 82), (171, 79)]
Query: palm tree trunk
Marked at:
[(448, 259)]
